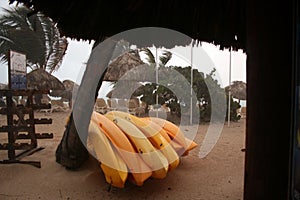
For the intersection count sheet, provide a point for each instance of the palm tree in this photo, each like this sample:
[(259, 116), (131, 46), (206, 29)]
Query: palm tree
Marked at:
[(33, 34), (164, 59), (150, 90)]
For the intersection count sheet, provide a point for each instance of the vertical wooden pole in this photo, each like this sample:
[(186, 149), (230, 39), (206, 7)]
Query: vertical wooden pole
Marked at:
[(31, 117), (10, 132), (270, 94)]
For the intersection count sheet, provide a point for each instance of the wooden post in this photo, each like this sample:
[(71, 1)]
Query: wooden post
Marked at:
[(10, 132), (270, 85)]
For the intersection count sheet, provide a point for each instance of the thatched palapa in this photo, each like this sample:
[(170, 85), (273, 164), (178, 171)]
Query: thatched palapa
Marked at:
[(237, 90), (41, 80)]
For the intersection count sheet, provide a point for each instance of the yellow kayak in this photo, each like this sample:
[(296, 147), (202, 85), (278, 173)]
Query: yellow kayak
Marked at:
[(112, 165), (136, 166)]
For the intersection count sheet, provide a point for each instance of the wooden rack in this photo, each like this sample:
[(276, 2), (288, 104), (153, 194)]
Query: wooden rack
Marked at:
[(21, 128)]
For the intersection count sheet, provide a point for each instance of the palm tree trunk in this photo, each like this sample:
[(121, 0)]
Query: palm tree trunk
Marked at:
[(71, 151)]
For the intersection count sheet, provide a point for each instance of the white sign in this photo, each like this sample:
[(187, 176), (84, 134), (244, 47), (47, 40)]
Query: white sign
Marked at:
[(17, 62), (17, 70)]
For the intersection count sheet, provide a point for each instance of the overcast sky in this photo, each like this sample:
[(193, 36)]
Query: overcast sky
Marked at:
[(204, 58)]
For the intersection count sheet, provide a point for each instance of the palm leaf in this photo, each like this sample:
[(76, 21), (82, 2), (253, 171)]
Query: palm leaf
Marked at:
[(167, 55), (57, 47), (36, 36), (16, 17), (150, 57)]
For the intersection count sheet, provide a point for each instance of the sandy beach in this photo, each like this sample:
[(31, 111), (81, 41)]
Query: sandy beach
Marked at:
[(217, 176)]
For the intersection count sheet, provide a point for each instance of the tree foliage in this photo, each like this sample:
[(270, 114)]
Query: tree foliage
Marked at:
[(163, 59), (33, 34), (205, 86)]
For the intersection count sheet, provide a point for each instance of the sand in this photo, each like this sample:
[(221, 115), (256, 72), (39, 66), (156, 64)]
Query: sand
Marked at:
[(219, 175)]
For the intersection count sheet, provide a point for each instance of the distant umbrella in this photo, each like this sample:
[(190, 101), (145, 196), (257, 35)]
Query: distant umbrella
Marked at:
[(121, 65), (67, 93), (3, 86), (41, 80), (238, 90), (125, 89)]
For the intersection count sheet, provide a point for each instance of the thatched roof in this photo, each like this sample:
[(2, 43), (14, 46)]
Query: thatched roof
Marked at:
[(41, 80), (67, 93), (221, 22), (237, 90), (3, 86), (125, 89), (121, 65)]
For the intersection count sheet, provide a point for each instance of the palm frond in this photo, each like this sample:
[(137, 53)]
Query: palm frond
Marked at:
[(150, 57), (59, 50), (56, 45), (165, 58), (16, 18), (36, 36), (23, 42)]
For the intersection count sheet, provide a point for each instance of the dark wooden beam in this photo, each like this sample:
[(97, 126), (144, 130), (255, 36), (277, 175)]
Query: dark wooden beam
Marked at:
[(270, 90)]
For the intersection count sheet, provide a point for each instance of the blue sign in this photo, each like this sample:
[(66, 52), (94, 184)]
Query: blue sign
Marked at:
[(18, 81)]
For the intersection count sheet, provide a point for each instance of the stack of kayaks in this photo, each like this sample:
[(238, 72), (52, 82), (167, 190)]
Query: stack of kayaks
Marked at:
[(135, 149)]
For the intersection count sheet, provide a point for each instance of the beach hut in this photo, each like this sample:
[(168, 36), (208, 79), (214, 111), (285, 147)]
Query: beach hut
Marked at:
[(120, 71), (42, 80), (125, 90), (237, 90), (3, 86), (70, 87), (121, 65)]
